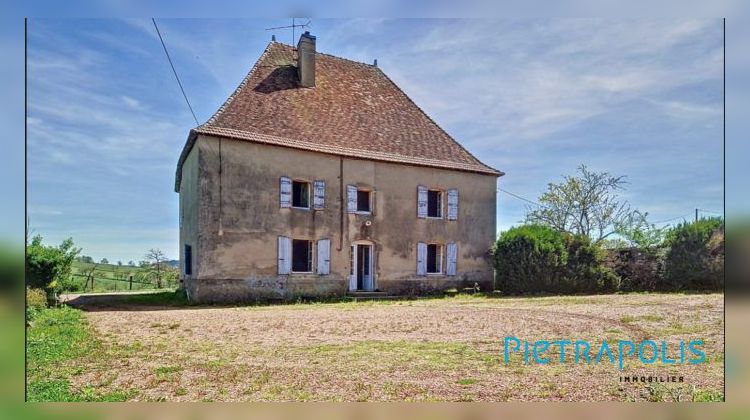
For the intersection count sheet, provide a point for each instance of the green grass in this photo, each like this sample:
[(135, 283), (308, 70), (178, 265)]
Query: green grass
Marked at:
[(166, 298), (112, 277), (57, 337)]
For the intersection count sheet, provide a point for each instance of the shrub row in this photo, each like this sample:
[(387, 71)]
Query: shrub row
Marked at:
[(539, 259)]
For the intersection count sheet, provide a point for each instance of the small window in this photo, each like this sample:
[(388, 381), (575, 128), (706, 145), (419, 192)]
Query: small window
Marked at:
[(434, 259), (434, 203), (363, 201), (301, 256), (188, 260), (301, 194)]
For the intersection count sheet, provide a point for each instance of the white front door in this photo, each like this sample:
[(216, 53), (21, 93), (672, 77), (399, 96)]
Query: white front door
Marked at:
[(362, 277)]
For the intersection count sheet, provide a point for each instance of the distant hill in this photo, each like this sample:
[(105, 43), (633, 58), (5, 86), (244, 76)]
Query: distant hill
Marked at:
[(173, 263)]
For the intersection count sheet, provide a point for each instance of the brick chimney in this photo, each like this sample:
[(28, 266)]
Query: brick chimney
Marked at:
[(306, 60)]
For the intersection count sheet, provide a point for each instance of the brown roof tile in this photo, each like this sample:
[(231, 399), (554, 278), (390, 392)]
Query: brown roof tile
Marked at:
[(354, 110)]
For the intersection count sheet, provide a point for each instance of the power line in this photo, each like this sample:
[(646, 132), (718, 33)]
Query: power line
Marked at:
[(520, 198), (709, 211), (175, 72)]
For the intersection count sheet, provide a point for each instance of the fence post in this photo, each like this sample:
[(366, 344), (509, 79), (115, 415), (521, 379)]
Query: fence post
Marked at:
[(131, 282)]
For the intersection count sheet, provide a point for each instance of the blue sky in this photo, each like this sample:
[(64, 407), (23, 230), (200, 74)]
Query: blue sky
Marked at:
[(534, 98)]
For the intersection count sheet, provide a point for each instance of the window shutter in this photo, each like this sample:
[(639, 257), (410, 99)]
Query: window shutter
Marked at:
[(421, 201), (319, 195), (421, 259), (453, 204), (285, 255), (285, 192), (452, 251), (351, 198), (324, 257)]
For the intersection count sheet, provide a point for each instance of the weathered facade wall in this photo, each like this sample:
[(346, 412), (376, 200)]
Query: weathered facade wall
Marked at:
[(241, 262), (189, 207)]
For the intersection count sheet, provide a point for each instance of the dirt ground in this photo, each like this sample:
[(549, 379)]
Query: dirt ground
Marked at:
[(432, 349)]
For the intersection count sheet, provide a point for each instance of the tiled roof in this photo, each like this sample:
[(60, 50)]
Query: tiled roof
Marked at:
[(354, 110)]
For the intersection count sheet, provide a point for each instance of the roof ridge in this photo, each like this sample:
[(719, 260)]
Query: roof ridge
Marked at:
[(328, 55)]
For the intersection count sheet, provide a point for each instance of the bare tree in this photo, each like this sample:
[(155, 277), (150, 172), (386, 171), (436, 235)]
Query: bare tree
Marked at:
[(156, 258), (586, 204)]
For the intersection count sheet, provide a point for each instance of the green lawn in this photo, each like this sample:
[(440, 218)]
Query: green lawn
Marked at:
[(57, 340), (113, 277)]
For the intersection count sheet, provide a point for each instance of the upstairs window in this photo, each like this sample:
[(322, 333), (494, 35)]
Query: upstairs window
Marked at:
[(302, 256), (435, 203), (301, 194), (359, 200), (363, 201)]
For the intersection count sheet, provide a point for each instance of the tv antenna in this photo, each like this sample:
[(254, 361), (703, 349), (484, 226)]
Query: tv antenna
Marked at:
[(294, 25)]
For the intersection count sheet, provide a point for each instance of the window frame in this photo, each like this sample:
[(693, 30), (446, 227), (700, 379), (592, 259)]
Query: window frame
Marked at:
[(311, 254), (441, 203), (440, 254), (309, 200), (369, 201)]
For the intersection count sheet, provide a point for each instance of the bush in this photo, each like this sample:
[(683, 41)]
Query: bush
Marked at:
[(695, 257), (36, 301), (49, 267), (539, 259)]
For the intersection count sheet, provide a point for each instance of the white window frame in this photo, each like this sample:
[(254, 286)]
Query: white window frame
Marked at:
[(441, 257), (311, 255), (440, 204), (310, 199)]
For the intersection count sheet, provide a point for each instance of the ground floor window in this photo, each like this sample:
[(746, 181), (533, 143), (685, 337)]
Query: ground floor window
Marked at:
[(302, 256), (434, 259), (188, 260)]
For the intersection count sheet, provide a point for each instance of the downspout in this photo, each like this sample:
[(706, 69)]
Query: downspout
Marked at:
[(341, 204)]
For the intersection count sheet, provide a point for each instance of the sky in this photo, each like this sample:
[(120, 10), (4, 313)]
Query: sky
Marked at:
[(533, 98)]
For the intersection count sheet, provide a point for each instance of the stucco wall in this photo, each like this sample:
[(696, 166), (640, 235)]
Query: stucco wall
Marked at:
[(241, 263), (189, 207)]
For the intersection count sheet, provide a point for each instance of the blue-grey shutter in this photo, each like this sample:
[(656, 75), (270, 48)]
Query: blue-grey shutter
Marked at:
[(324, 257), (351, 198), (453, 204), (285, 255), (452, 251), (319, 195), (285, 192), (421, 201), (421, 259)]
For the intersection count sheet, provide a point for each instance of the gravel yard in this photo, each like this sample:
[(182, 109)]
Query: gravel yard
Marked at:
[(431, 349)]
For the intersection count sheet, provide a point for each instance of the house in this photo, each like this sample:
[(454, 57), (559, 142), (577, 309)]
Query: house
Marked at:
[(318, 176)]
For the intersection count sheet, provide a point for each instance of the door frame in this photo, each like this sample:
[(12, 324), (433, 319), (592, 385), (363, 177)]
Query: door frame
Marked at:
[(353, 271)]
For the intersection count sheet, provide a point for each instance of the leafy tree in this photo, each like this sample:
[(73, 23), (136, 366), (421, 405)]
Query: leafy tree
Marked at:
[(119, 263), (85, 259), (131, 263), (49, 267), (105, 261), (583, 205), (639, 233)]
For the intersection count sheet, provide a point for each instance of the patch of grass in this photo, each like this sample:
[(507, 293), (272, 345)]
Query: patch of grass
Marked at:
[(653, 318), (627, 319), (169, 298), (57, 337), (467, 381), (708, 396), (166, 370)]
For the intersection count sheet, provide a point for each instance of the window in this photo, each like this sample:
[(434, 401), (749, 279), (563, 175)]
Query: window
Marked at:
[(434, 259), (301, 194), (188, 260), (363, 201), (358, 200), (301, 256), (435, 203)]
